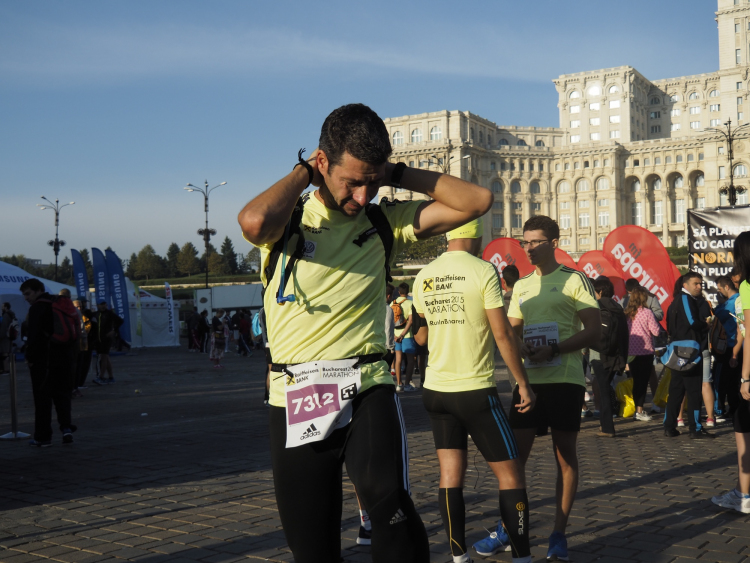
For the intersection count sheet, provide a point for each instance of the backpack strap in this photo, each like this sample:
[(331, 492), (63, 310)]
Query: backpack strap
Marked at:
[(382, 227), (686, 305), (293, 227)]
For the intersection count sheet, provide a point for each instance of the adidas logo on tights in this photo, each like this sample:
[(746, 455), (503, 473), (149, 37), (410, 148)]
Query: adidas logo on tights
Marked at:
[(398, 517), (310, 432)]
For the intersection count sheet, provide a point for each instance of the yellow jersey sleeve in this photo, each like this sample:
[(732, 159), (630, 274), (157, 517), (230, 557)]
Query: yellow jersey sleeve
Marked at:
[(514, 309), (584, 295), (492, 292), (400, 215)]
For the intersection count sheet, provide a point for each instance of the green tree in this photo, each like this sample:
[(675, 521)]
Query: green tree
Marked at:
[(424, 250), (65, 271), (252, 259), (229, 255), (130, 270), (211, 251), (187, 260), (172, 253), (218, 265), (148, 264)]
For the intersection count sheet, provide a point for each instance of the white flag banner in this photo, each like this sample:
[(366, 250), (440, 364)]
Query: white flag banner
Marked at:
[(170, 308)]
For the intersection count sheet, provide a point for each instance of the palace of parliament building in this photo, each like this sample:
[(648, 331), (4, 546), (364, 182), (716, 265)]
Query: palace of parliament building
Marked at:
[(629, 150)]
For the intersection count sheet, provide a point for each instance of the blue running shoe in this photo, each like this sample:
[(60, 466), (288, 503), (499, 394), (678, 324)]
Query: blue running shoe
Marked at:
[(496, 541), (558, 547)]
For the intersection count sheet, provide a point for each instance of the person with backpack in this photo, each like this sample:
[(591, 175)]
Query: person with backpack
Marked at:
[(642, 326), (726, 346), (609, 356), (9, 330), (52, 332), (686, 323)]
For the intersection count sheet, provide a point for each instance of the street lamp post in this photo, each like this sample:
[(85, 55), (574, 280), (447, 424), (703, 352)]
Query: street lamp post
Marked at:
[(445, 166), (56, 244), (731, 190), (205, 233)]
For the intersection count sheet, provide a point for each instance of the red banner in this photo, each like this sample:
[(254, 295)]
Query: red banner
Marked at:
[(594, 264), (506, 251), (565, 259), (637, 253)]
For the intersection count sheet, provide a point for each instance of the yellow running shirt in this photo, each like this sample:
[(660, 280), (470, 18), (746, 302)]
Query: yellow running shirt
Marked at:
[(554, 298), (339, 289), (453, 292)]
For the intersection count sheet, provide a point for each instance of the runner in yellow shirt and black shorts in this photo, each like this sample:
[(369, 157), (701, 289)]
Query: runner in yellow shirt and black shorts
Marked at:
[(459, 298)]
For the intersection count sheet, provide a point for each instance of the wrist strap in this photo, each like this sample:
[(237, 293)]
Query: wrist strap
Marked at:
[(398, 171), (302, 162)]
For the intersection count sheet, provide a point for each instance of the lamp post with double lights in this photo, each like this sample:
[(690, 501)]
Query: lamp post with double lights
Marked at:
[(205, 233), (731, 190), (445, 165), (56, 244)]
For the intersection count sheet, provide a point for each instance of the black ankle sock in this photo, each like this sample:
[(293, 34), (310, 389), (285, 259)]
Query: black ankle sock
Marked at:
[(514, 510), (453, 512)]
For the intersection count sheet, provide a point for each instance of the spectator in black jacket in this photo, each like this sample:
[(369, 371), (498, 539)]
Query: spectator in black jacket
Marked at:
[(50, 367), (687, 295), (107, 323)]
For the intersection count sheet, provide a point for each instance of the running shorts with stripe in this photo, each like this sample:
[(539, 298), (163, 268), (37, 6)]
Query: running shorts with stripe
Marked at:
[(455, 415), (308, 484)]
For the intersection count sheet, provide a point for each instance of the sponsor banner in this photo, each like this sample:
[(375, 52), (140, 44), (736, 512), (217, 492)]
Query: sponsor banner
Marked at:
[(119, 293), (711, 234), (565, 259), (638, 253), (594, 264), (170, 308), (505, 251), (81, 277), (101, 278)]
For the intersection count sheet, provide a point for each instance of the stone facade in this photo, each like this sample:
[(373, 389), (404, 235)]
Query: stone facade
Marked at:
[(628, 150)]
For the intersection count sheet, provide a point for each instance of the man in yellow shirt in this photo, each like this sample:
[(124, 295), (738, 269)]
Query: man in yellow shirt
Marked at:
[(459, 297), (547, 310), (332, 397)]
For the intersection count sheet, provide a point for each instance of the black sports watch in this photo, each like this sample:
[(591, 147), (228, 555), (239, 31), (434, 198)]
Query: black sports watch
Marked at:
[(555, 349), (744, 381), (396, 174)]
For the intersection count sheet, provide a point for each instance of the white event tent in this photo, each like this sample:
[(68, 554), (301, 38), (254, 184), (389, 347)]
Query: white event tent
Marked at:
[(154, 310)]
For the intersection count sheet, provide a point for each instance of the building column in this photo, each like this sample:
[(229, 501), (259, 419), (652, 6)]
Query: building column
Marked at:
[(574, 223), (526, 209), (665, 218), (507, 212)]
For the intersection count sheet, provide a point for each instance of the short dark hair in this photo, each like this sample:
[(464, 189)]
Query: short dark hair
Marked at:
[(33, 284), (6, 305), (389, 288), (689, 276), (604, 285), (511, 275), (631, 284), (357, 130), (403, 288), (742, 256), (543, 223), (725, 281)]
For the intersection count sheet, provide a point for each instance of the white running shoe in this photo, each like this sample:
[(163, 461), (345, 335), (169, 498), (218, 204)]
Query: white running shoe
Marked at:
[(731, 500), (643, 416), (680, 423)]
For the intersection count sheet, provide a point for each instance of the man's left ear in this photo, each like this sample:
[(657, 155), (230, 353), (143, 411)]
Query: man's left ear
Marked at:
[(555, 243), (323, 163)]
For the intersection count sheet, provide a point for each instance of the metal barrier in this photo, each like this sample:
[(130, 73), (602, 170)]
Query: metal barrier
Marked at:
[(14, 434)]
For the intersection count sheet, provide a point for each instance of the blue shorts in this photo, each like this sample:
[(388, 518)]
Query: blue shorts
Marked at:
[(407, 346)]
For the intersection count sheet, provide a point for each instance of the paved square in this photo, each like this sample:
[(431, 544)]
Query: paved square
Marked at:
[(171, 464)]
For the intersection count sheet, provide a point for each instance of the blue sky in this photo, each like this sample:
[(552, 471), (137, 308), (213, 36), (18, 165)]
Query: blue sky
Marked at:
[(118, 104)]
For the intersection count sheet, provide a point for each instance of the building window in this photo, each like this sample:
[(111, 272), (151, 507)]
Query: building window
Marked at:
[(655, 115), (575, 124), (743, 199), (557, 166), (583, 219), (739, 101), (541, 167), (714, 122), (497, 187), (739, 115), (497, 221), (656, 128), (497, 205), (503, 143), (700, 203), (603, 203), (614, 104), (521, 143), (635, 186), (713, 93), (736, 26), (536, 206), (576, 165), (502, 166), (436, 133), (657, 160), (695, 110), (613, 89), (594, 91), (575, 109), (656, 184), (614, 134), (594, 121), (722, 173), (539, 144), (699, 180), (521, 166), (679, 211), (693, 96), (636, 162), (700, 156), (575, 138), (635, 212), (411, 164), (512, 166), (583, 241), (416, 136), (565, 221), (564, 205), (720, 150), (656, 213), (595, 136), (515, 187), (614, 119), (481, 137), (574, 94), (655, 101), (695, 124), (606, 162), (678, 181), (586, 164), (740, 170), (492, 165), (517, 216), (596, 164), (714, 107), (594, 106), (563, 187), (583, 204), (739, 86), (646, 161), (675, 127), (602, 184), (567, 166), (679, 158), (583, 185), (564, 242), (668, 160), (398, 138), (674, 98), (674, 112), (604, 218), (738, 56), (535, 189)]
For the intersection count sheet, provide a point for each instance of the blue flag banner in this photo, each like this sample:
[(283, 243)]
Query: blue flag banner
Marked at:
[(81, 277), (119, 293), (101, 279)]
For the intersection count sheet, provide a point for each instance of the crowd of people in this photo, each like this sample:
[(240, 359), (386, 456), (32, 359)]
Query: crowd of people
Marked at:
[(215, 336), (331, 346)]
